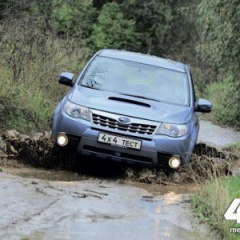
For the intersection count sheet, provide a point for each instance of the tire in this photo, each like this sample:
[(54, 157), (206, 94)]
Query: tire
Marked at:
[(67, 160)]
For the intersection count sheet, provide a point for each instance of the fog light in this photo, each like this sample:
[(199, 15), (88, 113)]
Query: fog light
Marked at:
[(62, 139), (174, 162)]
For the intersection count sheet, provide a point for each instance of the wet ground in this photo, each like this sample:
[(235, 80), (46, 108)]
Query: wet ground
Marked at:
[(41, 204), (76, 208), (216, 135)]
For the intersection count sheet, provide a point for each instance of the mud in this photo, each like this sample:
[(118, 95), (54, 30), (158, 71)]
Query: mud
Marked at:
[(68, 176), (37, 150), (33, 208)]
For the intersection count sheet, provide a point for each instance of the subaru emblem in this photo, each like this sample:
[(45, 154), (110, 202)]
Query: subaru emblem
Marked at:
[(124, 120)]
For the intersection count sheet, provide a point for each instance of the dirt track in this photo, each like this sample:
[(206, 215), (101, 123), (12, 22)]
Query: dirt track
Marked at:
[(90, 209), (41, 204), (216, 135)]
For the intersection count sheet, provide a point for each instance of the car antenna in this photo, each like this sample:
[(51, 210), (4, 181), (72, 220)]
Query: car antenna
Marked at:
[(150, 47)]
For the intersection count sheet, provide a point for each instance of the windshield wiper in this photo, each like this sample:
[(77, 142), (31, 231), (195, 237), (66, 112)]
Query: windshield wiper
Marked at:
[(87, 86), (139, 96)]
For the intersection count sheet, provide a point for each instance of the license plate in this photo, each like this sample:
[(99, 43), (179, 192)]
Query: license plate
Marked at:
[(119, 141)]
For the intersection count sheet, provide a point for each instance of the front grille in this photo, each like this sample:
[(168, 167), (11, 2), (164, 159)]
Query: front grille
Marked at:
[(111, 123)]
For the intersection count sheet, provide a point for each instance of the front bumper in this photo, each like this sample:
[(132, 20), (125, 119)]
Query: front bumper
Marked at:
[(155, 150)]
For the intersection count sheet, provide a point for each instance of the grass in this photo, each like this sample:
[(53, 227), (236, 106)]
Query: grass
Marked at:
[(235, 148), (225, 108), (29, 102), (212, 200)]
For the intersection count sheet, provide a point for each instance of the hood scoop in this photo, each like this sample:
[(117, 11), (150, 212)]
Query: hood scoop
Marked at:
[(126, 100)]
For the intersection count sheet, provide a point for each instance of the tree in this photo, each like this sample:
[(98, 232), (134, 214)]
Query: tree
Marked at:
[(219, 47), (74, 18), (160, 24), (112, 30)]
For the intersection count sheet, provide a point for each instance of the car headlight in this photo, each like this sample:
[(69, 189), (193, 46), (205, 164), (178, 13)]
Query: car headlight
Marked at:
[(172, 130), (77, 111)]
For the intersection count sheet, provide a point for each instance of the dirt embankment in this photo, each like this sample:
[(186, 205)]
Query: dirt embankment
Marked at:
[(37, 150)]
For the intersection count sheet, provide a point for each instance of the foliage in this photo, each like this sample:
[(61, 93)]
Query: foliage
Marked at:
[(30, 102), (226, 108), (219, 47), (130, 24), (3, 6), (38, 39), (99, 4), (161, 24), (31, 58), (112, 30), (219, 21), (74, 18), (212, 210)]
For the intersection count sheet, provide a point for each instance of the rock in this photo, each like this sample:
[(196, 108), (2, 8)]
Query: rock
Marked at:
[(12, 134), (46, 135), (37, 136), (23, 138)]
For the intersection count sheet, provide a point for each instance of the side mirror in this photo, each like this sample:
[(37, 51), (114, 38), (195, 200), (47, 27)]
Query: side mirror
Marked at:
[(66, 78), (203, 106)]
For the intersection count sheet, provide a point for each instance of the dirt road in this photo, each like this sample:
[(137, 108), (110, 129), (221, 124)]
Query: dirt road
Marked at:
[(90, 209), (216, 135), (40, 204)]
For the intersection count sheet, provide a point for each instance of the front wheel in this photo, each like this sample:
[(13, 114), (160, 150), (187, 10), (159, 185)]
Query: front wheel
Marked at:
[(67, 160)]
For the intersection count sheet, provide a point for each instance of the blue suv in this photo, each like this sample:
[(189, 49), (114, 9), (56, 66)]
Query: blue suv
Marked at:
[(132, 107)]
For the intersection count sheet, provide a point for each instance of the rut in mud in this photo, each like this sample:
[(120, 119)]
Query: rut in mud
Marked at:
[(37, 150)]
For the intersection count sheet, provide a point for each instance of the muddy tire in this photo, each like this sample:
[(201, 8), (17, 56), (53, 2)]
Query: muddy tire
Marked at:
[(67, 160)]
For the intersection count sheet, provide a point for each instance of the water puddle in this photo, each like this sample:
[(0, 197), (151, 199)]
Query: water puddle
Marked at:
[(60, 175), (122, 209), (158, 189), (42, 174)]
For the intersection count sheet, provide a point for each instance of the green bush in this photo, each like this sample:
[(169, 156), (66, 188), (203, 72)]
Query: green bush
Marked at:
[(32, 56), (224, 96), (219, 48), (112, 30), (28, 99)]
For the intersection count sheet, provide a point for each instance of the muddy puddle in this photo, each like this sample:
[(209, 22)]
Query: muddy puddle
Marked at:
[(42, 174), (37, 151), (67, 176), (76, 208), (157, 189)]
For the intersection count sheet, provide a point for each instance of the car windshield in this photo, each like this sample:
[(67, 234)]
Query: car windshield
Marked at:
[(137, 79)]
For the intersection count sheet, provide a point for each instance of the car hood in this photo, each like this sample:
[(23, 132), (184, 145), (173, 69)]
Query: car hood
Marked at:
[(129, 106)]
